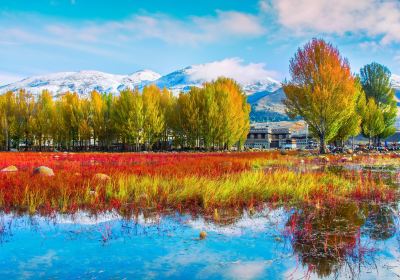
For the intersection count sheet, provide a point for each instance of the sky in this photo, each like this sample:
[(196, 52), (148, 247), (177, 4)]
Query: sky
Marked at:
[(240, 36)]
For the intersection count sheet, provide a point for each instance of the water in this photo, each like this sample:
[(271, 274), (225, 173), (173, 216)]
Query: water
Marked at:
[(350, 241), (345, 240)]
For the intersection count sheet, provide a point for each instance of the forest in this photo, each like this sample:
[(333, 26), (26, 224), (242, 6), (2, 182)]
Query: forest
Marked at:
[(213, 117)]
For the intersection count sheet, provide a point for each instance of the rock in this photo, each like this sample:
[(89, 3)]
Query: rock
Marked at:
[(44, 171), (324, 159), (11, 168), (203, 235), (284, 152), (102, 177)]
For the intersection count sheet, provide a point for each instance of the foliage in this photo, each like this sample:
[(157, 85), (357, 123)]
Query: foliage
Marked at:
[(215, 116), (375, 79), (322, 90), (374, 122)]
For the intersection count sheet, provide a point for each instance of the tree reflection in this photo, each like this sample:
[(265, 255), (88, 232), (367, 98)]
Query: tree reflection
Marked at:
[(380, 223), (325, 239)]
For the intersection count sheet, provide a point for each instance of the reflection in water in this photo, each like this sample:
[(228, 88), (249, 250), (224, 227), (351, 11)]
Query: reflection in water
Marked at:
[(329, 238), (380, 223), (338, 241)]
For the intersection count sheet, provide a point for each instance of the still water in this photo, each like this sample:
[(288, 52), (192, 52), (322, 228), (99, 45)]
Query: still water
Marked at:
[(352, 241)]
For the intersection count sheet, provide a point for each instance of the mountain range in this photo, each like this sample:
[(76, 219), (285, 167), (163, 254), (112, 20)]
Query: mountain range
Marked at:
[(264, 93)]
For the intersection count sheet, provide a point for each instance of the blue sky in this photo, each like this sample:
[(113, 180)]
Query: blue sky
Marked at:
[(123, 36)]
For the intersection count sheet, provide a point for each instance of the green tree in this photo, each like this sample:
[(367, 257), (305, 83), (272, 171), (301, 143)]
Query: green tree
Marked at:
[(154, 121), (128, 116), (44, 117), (373, 121), (352, 126), (24, 110), (8, 107), (71, 116), (375, 79)]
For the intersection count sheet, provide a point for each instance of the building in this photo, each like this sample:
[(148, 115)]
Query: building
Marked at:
[(278, 135), (258, 137)]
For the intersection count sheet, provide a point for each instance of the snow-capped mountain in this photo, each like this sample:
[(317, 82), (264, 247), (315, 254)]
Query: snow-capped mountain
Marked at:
[(396, 86), (396, 81), (183, 79), (82, 82)]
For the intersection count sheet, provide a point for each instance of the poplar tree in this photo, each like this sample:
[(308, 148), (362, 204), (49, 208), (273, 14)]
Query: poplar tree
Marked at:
[(44, 117), (8, 111), (154, 122), (374, 121), (375, 79)]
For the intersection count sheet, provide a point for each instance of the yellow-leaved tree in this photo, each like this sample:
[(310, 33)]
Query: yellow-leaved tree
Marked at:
[(322, 89)]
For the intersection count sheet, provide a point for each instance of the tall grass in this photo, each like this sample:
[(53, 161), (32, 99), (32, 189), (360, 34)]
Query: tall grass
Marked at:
[(191, 181)]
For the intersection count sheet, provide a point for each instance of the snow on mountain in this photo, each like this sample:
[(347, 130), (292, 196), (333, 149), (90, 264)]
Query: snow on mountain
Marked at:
[(196, 75), (396, 81), (82, 82), (396, 86)]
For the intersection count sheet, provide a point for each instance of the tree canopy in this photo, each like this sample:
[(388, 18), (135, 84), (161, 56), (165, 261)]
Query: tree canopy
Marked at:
[(322, 90)]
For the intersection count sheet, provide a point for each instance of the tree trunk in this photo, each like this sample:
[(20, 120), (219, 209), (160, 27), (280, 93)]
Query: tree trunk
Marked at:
[(322, 144)]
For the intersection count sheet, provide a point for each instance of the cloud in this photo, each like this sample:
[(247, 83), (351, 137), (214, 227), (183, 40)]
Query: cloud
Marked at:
[(193, 30), (233, 68), (373, 18), (247, 270)]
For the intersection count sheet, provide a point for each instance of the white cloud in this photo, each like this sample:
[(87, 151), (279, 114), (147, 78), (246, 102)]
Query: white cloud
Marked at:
[(374, 18), (233, 68), (192, 30)]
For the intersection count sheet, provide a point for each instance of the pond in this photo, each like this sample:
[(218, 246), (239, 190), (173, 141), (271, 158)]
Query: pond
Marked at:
[(342, 240)]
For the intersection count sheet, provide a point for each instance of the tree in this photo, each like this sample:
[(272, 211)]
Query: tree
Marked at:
[(322, 89), (44, 117), (375, 79), (128, 116), (24, 117), (373, 120), (352, 126), (70, 111), (8, 107), (84, 129), (154, 121), (97, 111)]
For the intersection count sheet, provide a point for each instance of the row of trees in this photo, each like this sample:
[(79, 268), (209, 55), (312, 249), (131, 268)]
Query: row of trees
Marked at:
[(213, 117), (335, 103)]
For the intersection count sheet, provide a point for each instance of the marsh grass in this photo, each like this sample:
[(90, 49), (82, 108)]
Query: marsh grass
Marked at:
[(186, 182), (239, 190)]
